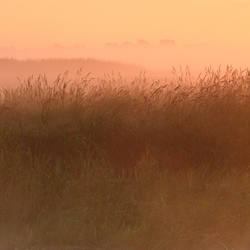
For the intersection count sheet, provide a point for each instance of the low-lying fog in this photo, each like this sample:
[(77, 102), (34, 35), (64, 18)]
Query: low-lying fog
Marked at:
[(127, 58)]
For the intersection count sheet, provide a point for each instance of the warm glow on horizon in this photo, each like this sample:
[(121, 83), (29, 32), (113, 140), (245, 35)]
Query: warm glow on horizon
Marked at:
[(33, 24), (40, 23)]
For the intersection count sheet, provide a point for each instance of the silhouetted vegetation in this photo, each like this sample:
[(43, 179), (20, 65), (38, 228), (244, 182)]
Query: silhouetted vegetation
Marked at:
[(115, 164)]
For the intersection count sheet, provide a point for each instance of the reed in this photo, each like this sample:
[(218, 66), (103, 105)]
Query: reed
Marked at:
[(112, 164)]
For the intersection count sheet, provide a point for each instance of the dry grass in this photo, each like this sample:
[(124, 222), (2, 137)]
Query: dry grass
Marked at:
[(111, 164)]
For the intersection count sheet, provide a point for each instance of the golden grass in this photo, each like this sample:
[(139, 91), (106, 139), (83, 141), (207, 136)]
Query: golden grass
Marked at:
[(111, 164)]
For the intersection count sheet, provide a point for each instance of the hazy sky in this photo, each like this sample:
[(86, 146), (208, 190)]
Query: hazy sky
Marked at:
[(32, 27), (95, 22)]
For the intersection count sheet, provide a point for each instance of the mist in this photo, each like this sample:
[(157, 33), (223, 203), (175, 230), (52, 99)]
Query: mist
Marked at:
[(127, 59)]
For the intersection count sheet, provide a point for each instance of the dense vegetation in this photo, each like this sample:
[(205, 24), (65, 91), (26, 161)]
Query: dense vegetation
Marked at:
[(111, 164)]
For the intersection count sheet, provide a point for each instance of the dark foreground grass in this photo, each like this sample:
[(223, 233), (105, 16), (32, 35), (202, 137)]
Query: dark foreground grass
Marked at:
[(111, 165)]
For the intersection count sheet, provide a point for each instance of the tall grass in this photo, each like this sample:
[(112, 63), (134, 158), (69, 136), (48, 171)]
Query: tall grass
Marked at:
[(111, 164)]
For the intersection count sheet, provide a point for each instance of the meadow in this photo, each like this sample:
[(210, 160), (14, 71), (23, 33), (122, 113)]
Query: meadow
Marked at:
[(111, 164)]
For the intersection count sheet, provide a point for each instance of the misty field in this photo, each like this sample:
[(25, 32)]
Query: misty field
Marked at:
[(112, 164)]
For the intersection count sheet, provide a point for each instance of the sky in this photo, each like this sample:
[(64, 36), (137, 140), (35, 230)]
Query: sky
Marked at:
[(222, 24)]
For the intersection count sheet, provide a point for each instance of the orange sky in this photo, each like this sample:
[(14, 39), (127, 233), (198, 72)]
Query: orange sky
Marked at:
[(220, 23), (94, 22)]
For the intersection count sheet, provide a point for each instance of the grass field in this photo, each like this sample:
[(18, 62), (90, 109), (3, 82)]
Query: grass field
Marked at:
[(115, 165)]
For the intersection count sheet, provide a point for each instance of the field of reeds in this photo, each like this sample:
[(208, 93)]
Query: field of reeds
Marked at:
[(112, 164)]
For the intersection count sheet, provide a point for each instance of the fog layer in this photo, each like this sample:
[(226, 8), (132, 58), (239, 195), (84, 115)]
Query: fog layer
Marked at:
[(126, 58)]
